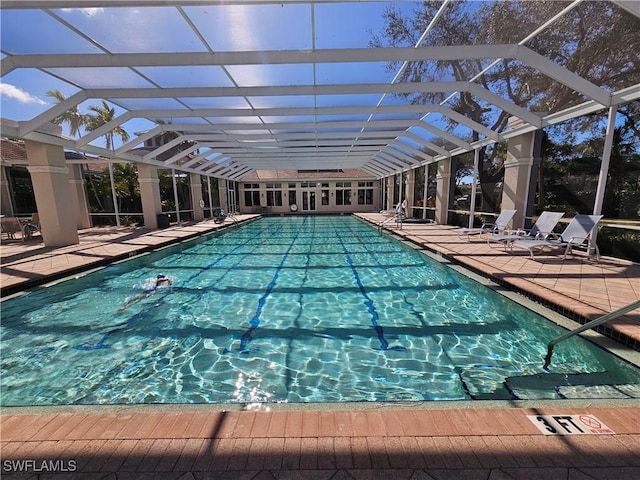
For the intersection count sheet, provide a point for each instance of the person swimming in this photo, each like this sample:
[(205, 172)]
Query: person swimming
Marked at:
[(162, 279), (149, 289)]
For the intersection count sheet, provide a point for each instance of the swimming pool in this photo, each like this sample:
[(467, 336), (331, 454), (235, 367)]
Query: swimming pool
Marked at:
[(289, 309)]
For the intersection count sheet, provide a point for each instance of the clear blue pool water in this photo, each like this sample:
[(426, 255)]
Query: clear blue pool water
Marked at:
[(289, 309)]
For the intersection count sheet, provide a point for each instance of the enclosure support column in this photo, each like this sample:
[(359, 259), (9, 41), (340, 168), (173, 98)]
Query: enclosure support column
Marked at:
[(196, 196), (210, 197), (443, 194), (410, 191), (176, 199), (223, 190), (390, 192), (114, 194), (55, 203), (76, 179), (522, 150), (424, 191), (474, 183), (150, 194), (604, 167)]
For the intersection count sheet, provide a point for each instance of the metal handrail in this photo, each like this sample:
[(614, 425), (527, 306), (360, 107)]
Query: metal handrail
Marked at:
[(397, 217), (587, 326)]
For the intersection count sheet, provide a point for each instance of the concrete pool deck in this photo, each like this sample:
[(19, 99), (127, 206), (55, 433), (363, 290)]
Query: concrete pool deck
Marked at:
[(467, 440)]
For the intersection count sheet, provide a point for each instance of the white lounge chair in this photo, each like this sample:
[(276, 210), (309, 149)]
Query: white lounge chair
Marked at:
[(399, 208), (577, 233), (499, 225), (540, 230)]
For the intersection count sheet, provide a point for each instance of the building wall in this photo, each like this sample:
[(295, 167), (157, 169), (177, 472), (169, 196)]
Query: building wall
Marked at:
[(327, 196)]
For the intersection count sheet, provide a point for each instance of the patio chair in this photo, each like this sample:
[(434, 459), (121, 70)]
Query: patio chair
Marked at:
[(35, 221), (12, 225), (540, 230), (577, 234), (219, 216), (499, 225), (396, 210)]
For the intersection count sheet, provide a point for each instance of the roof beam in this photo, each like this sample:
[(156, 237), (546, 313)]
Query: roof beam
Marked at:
[(278, 90), (263, 57), (466, 121), (136, 141), (181, 154), (287, 111), (167, 146), (446, 135), (427, 144), (399, 145), (506, 105), (249, 137), (102, 130), (563, 75), (49, 115)]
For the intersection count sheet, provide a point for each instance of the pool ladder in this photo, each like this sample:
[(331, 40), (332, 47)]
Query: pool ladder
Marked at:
[(233, 218), (587, 326)]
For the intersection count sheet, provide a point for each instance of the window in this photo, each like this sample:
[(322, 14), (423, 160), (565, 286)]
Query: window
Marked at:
[(324, 194), (365, 193), (292, 194), (343, 193), (274, 194), (252, 194)]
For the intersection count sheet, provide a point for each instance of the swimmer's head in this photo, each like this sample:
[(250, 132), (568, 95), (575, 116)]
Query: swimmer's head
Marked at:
[(160, 275)]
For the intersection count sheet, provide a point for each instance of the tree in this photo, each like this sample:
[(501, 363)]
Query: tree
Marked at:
[(166, 137), (101, 116), (72, 117), (624, 169), (597, 40), (125, 176)]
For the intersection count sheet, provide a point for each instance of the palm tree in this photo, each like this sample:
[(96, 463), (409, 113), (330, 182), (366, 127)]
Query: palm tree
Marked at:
[(72, 117), (103, 115)]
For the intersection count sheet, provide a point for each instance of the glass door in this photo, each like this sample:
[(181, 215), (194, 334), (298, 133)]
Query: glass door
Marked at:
[(232, 201), (308, 197)]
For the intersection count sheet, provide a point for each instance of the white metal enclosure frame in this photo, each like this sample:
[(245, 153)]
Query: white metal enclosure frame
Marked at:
[(291, 124)]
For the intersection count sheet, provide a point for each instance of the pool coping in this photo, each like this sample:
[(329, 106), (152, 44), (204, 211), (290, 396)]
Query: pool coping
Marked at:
[(317, 406)]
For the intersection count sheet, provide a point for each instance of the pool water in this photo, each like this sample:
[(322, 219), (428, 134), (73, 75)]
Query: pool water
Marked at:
[(289, 309)]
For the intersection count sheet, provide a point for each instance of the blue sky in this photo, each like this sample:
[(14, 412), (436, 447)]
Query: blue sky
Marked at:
[(163, 29)]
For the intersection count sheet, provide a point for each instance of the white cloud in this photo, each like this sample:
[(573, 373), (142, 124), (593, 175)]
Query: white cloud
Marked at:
[(21, 96), (89, 12)]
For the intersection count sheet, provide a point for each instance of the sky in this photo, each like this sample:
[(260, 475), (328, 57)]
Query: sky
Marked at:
[(288, 26), (164, 29)]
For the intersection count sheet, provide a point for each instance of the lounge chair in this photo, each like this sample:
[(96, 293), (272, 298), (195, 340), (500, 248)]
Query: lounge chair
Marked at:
[(540, 230), (399, 208), (577, 233), (34, 223), (12, 225), (499, 225)]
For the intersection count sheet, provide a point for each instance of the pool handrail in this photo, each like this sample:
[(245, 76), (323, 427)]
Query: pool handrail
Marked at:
[(587, 326), (397, 216)]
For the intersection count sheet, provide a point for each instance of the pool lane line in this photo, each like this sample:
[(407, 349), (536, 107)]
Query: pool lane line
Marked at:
[(371, 307), (254, 323), (289, 377), (100, 344)]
